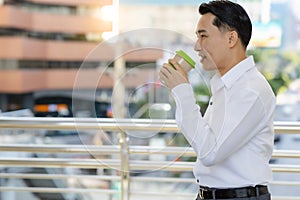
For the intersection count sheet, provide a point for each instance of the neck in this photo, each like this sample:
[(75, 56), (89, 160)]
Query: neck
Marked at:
[(235, 59)]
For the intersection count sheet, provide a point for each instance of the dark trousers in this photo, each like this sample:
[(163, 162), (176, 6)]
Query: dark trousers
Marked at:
[(261, 197)]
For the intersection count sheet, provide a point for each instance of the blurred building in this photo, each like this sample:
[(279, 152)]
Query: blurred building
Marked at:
[(181, 18), (275, 22), (286, 15), (43, 43)]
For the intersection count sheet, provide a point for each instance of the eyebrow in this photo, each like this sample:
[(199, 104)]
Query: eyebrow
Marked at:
[(200, 31)]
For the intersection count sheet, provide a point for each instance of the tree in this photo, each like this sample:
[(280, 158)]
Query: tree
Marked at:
[(279, 67)]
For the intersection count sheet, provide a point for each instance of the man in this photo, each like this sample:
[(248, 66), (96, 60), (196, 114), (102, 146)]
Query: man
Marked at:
[(234, 139)]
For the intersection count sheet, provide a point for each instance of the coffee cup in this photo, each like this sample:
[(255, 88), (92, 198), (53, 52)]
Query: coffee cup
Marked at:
[(184, 60)]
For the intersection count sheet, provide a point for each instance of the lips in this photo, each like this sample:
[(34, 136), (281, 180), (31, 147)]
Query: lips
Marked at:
[(202, 57)]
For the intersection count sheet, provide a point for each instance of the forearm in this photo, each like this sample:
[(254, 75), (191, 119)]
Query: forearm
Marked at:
[(190, 121)]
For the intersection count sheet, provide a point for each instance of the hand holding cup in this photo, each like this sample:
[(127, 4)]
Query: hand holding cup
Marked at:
[(175, 72)]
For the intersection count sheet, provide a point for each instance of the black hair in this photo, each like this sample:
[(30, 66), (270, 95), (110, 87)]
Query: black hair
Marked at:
[(229, 16)]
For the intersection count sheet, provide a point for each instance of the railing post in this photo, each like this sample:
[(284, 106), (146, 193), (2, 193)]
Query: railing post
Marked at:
[(124, 170)]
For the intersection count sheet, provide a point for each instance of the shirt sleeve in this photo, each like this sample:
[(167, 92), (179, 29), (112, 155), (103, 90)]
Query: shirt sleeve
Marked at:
[(243, 114)]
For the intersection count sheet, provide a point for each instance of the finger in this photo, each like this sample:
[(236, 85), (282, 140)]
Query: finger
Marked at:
[(162, 76), (176, 65), (167, 70), (164, 73), (163, 79), (163, 82), (168, 67)]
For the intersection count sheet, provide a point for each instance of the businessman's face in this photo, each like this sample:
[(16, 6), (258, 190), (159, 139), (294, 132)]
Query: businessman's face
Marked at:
[(211, 43)]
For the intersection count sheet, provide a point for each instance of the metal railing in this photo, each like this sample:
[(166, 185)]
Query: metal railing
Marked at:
[(121, 158)]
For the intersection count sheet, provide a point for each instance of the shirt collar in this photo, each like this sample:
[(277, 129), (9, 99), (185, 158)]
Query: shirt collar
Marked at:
[(237, 71), (218, 82)]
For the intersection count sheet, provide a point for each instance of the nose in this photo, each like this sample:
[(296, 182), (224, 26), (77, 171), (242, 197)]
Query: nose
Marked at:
[(197, 46)]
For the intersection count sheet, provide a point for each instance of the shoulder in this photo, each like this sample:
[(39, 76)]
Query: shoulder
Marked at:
[(253, 86)]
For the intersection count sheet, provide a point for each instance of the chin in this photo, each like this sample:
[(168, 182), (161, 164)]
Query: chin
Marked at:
[(208, 68)]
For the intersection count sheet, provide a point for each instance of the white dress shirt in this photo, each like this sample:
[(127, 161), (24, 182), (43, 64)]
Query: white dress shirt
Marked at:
[(234, 139)]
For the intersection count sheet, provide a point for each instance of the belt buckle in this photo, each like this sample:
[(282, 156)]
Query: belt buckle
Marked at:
[(201, 193)]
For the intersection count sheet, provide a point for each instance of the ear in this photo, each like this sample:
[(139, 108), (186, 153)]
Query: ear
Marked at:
[(232, 38)]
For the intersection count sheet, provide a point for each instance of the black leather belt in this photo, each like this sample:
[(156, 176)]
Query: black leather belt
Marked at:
[(244, 192)]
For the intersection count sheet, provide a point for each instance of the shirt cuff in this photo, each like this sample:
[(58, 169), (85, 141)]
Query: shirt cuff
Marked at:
[(184, 96)]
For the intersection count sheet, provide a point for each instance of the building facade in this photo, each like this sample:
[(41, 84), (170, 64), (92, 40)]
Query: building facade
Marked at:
[(44, 43)]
